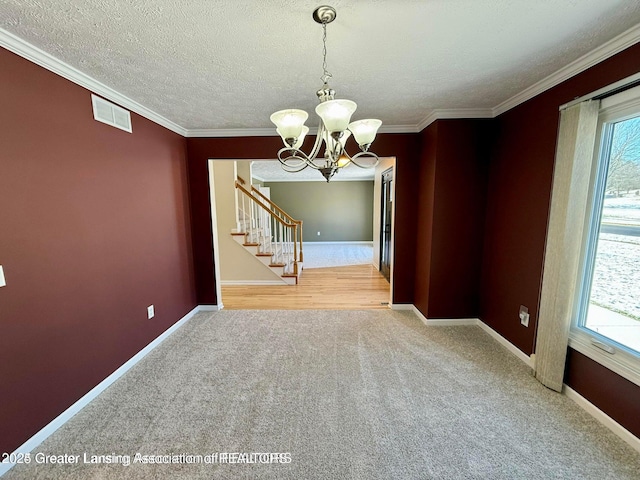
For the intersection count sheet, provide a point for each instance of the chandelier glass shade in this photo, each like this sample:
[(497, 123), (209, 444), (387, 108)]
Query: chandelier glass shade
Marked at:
[(334, 129)]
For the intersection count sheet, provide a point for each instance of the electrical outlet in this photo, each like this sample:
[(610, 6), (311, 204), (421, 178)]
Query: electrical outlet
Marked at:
[(318, 233), (3, 282), (524, 315), (150, 312)]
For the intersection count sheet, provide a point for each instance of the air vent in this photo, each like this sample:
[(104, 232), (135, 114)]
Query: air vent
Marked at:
[(107, 112)]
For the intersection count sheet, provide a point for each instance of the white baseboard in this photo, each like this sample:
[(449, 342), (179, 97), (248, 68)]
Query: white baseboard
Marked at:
[(451, 322), (529, 360), (442, 322), (435, 322), (210, 308), (65, 416), (419, 314), (603, 418), (401, 306)]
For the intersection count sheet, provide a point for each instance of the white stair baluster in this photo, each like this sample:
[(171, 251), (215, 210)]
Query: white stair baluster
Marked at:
[(273, 231), (243, 225), (281, 258)]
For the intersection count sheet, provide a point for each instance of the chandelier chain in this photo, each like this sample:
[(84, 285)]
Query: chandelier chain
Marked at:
[(326, 75)]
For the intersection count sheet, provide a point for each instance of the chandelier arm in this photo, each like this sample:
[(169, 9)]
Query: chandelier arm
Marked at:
[(288, 169), (295, 154), (318, 143), (364, 154), (286, 163), (293, 170)]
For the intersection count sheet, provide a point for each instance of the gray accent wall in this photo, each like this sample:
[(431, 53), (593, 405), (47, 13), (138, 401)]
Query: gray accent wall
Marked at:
[(340, 211)]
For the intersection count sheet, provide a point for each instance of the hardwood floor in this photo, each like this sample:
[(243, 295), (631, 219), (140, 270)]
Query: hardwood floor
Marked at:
[(354, 287)]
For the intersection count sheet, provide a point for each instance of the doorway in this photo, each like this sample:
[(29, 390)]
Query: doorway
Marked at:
[(386, 209), (270, 294)]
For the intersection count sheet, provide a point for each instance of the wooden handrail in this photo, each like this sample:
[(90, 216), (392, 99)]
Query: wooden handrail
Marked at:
[(241, 180), (294, 223), (264, 206), (289, 217)]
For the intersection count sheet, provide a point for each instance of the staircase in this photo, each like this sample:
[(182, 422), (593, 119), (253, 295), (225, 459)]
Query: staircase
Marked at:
[(269, 233)]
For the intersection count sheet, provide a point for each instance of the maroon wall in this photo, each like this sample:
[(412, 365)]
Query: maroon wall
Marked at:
[(519, 191), (94, 227), (459, 217), (611, 393), (403, 146), (424, 224), (451, 199)]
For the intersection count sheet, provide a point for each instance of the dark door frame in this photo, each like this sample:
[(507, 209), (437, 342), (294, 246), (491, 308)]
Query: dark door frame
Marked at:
[(386, 225)]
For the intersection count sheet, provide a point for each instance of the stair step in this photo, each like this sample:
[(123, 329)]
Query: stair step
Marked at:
[(290, 275), (237, 233), (276, 264), (251, 244), (264, 254)]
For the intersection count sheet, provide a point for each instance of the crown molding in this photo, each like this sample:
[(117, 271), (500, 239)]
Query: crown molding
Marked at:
[(449, 113), (40, 57), (231, 132), (616, 45), (432, 117), (398, 129)]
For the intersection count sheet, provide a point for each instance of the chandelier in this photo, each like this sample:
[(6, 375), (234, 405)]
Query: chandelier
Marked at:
[(334, 128)]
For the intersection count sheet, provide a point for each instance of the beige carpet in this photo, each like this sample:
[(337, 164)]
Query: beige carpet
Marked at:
[(333, 395)]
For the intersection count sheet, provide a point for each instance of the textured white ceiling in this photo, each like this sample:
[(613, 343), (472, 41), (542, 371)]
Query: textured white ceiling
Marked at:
[(228, 64)]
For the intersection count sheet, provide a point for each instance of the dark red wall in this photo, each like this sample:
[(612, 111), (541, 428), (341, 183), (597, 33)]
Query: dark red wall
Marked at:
[(403, 146), (458, 217), (616, 396), (451, 199), (94, 227), (519, 190), (424, 223)]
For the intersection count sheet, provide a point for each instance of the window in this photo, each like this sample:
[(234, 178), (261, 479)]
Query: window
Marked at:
[(606, 323)]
